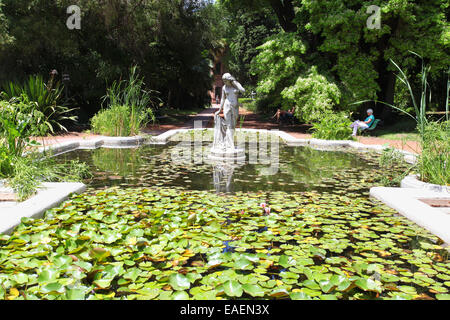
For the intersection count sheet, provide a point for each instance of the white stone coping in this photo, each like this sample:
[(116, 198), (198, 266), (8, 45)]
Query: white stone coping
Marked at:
[(406, 202), (413, 182), (48, 196), (106, 142), (41, 202), (126, 142)]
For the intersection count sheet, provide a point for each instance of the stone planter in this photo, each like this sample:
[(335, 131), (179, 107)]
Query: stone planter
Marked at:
[(413, 182)]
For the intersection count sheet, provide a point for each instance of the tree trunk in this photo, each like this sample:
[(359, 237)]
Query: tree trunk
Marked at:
[(284, 9), (386, 81)]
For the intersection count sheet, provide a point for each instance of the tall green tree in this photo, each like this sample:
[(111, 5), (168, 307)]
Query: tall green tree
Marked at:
[(169, 40), (284, 10), (4, 35), (357, 58), (360, 56), (250, 30)]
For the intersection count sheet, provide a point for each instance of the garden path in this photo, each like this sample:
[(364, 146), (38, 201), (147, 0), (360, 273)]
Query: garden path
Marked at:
[(252, 121)]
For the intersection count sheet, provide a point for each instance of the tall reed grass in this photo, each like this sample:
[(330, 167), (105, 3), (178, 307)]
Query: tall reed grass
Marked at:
[(433, 162), (129, 107)]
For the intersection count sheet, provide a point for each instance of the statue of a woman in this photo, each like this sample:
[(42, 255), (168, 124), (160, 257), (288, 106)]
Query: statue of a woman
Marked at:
[(224, 130)]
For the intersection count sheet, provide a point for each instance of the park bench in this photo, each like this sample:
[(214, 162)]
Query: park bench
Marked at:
[(372, 127)]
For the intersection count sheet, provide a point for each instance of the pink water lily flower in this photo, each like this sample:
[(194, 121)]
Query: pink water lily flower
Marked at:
[(263, 205), (267, 210)]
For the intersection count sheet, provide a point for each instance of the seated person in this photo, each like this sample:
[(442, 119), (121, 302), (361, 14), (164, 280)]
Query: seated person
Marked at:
[(289, 116), (363, 124), (284, 115), (279, 114)]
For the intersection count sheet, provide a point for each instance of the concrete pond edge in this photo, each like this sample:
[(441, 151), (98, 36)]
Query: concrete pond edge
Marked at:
[(407, 202), (48, 196), (62, 192)]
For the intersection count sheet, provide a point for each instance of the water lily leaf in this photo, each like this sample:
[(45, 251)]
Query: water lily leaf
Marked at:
[(311, 284), (327, 285), (286, 261), (368, 284), (48, 275), (299, 296), (75, 294), (54, 287), (407, 289), (205, 295), (99, 254), (132, 274), (233, 288), (149, 293), (193, 276), (443, 296), (13, 294), (341, 282), (304, 261), (328, 297), (103, 283), (243, 264), (20, 278), (180, 295), (179, 282), (254, 290)]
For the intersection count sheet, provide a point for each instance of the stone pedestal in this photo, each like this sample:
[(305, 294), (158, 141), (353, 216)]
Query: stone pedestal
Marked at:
[(227, 154)]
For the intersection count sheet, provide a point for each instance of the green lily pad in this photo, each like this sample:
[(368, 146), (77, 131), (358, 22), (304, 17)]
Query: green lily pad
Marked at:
[(233, 288), (254, 290), (179, 282)]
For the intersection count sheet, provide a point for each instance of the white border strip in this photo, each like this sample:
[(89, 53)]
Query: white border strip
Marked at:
[(61, 191), (406, 202), (48, 196)]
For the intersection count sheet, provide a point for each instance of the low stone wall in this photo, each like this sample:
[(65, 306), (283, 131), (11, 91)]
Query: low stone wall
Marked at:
[(51, 195), (407, 202), (48, 196), (413, 182)]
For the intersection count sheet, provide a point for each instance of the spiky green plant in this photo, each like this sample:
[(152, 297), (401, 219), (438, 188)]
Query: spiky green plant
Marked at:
[(134, 102), (43, 98)]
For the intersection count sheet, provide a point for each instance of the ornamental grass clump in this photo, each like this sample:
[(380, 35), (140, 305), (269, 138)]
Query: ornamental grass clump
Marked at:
[(435, 158), (23, 169), (129, 110)]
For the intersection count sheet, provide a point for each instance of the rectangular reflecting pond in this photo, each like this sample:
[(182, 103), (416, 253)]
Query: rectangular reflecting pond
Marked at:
[(293, 169), (157, 225)]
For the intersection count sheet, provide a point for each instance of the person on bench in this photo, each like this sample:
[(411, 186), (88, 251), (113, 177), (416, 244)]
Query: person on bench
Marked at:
[(284, 115), (363, 124)]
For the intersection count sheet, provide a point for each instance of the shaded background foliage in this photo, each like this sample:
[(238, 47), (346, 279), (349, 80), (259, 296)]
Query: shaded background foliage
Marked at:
[(166, 38), (352, 56), (174, 42)]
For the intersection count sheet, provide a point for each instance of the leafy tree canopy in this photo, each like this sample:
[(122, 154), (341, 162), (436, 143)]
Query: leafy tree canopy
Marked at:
[(335, 38)]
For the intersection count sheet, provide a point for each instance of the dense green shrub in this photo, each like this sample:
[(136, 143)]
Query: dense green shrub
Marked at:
[(287, 80), (130, 108), (18, 124), (434, 160), (333, 126), (43, 98), (312, 94)]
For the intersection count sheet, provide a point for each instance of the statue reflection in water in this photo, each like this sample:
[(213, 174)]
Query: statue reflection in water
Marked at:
[(223, 177)]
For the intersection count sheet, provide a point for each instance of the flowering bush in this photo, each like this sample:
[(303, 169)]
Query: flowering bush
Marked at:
[(333, 126)]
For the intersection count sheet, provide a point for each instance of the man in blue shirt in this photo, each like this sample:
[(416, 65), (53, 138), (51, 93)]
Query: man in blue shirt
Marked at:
[(363, 124)]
